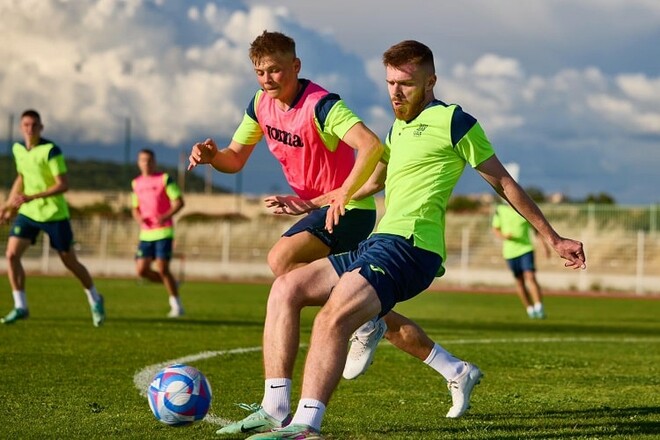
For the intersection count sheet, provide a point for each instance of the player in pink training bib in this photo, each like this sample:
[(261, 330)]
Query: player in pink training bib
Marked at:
[(156, 198), (326, 154)]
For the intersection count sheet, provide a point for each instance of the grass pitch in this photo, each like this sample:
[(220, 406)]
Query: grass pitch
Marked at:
[(589, 371)]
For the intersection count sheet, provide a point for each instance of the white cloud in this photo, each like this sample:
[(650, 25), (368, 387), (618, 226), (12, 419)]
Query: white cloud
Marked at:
[(175, 69), (180, 71), (491, 65), (640, 87)]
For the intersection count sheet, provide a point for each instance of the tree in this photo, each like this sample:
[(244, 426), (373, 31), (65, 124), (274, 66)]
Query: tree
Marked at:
[(536, 194), (600, 198)]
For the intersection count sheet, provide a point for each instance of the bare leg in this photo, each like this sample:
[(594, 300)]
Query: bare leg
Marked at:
[(522, 292), (144, 270), (71, 262), (353, 301), (16, 247), (307, 286), (534, 288), (292, 252), (166, 276), (407, 336)]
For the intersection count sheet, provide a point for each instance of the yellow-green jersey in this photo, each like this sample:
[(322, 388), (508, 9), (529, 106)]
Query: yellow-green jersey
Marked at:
[(513, 225), (39, 166), (425, 158)]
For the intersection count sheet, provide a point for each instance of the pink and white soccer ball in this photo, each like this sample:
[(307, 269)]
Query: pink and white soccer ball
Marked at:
[(179, 395)]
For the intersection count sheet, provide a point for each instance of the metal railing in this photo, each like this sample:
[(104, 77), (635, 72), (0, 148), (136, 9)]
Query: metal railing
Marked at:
[(622, 246)]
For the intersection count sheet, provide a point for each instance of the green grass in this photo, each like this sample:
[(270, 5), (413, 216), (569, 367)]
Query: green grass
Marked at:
[(590, 371)]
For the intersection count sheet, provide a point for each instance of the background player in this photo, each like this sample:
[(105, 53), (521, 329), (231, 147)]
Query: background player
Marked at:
[(156, 198), (38, 194), (518, 250)]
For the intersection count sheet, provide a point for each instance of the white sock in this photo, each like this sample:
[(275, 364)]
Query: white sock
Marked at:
[(175, 303), (538, 307), (449, 366), (20, 300), (92, 295), (530, 310), (277, 398), (310, 412)]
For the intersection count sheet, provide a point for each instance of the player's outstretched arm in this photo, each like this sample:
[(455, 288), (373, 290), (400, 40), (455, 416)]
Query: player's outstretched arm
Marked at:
[(498, 177), (289, 204), (227, 160)]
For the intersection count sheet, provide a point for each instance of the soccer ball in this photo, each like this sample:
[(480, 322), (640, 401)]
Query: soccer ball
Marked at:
[(179, 395)]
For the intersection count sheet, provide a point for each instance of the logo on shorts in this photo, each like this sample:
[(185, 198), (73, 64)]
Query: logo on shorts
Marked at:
[(377, 269)]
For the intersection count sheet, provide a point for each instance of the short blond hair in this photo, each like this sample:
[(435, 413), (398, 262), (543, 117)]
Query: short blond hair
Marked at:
[(270, 43)]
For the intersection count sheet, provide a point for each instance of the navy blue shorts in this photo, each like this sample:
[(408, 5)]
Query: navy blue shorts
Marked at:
[(523, 263), (395, 268), (158, 249), (59, 231), (354, 226)]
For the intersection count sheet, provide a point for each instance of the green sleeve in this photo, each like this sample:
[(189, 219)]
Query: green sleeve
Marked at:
[(249, 132), (340, 119), (475, 147), (171, 188), (57, 165)]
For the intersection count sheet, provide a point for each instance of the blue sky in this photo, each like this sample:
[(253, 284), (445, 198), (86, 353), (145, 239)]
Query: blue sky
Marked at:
[(570, 90)]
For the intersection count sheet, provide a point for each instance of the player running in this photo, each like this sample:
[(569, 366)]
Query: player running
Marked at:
[(38, 194), (155, 199)]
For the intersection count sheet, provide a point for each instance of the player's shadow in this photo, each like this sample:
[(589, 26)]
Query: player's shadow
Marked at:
[(598, 422), (566, 424), (189, 321), (174, 322)]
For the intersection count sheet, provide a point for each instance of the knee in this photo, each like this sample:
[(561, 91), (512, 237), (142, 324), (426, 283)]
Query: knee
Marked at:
[(142, 270), (68, 260), (278, 263), (285, 291), (163, 270), (12, 255)]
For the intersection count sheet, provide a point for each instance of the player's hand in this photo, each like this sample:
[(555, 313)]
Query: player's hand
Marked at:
[(290, 205), (202, 153), (6, 213), (573, 252), (336, 210), (17, 200)]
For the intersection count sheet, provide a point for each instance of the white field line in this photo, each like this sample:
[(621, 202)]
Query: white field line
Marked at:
[(142, 378)]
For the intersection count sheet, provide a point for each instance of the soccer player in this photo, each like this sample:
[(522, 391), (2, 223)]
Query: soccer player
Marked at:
[(518, 251), (427, 149), (314, 136), (326, 153), (38, 194), (156, 198)]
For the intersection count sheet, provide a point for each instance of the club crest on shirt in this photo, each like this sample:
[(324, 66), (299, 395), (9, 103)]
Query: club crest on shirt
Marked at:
[(419, 130)]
